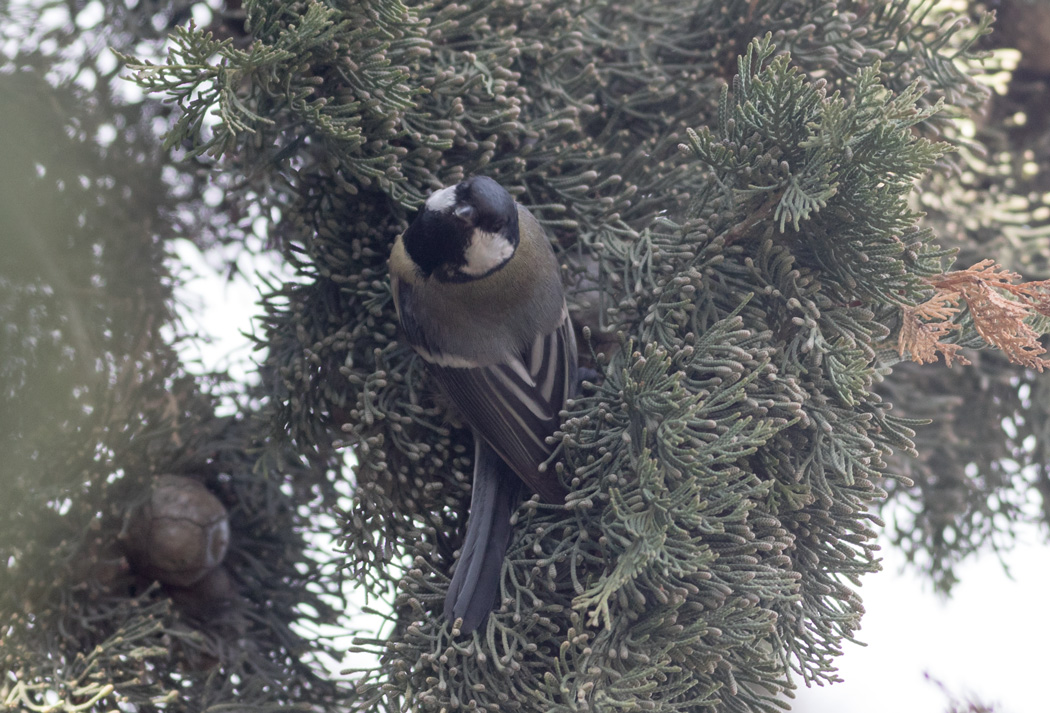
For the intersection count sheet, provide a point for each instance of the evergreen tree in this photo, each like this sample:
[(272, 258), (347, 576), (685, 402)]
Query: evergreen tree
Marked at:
[(731, 188)]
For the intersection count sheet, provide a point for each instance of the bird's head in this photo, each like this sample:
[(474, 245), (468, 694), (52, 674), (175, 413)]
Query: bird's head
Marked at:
[(464, 232)]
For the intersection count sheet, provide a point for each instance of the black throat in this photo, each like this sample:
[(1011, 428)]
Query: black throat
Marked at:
[(437, 243)]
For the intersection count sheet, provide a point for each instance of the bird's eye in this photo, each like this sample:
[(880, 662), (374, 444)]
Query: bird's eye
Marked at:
[(465, 212)]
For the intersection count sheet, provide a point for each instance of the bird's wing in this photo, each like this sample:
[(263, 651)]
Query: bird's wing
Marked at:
[(514, 405)]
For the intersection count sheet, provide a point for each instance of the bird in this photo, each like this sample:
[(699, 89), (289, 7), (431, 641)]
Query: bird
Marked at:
[(478, 293)]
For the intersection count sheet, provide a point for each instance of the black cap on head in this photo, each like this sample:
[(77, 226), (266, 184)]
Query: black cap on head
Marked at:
[(485, 203)]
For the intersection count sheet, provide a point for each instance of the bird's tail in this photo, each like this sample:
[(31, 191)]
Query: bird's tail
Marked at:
[(476, 581)]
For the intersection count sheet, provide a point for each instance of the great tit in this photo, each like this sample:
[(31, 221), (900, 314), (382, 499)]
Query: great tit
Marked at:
[(478, 293)]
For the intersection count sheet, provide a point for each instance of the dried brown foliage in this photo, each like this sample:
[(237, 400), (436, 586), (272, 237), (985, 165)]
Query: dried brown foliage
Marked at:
[(999, 305)]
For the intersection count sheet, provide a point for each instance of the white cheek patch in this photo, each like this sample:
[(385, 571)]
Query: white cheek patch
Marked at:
[(486, 252), (442, 200)]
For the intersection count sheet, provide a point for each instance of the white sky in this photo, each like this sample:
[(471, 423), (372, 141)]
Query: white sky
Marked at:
[(990, 639), (220, 310)]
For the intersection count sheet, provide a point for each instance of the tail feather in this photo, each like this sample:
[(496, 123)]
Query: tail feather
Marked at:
[(476, 580)]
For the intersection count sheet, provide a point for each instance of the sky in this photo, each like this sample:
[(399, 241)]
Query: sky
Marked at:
[(989, 640)]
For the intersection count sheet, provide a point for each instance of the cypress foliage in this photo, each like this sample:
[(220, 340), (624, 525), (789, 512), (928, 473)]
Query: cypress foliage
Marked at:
[(730, 187)]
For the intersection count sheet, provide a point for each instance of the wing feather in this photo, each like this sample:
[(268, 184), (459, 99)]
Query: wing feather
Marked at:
[(514, 405)]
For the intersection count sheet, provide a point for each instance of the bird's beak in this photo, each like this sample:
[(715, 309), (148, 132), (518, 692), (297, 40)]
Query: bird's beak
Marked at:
[(465, 213)]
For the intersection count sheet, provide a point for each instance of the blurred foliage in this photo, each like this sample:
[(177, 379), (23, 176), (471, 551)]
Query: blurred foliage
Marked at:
[(741, 230), (96, 403), (983, 466), (956, 705)]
